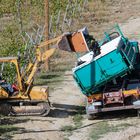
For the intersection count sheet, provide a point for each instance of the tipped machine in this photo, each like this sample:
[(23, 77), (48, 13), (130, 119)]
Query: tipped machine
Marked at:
[(108, 73)]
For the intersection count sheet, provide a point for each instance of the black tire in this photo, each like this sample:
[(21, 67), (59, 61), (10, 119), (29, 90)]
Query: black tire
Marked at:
[(5, 109), (91, 116)]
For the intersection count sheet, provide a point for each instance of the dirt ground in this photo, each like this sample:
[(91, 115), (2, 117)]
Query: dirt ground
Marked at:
[(67, 102)]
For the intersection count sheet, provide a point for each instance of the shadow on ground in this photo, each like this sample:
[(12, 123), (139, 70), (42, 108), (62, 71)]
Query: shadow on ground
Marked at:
[(123, 114), (65, 110)]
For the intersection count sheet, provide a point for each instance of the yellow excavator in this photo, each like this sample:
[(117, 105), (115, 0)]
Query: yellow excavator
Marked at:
[(30, 99)]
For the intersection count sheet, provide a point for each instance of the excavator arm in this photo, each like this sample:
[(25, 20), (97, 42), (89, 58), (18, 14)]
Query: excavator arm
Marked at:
[(41, 56), (71, 42)]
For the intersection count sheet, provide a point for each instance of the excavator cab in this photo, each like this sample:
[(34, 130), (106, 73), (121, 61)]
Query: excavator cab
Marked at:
[(6, 86)]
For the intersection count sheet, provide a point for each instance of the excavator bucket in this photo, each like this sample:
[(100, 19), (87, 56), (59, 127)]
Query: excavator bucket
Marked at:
[(74, 42)]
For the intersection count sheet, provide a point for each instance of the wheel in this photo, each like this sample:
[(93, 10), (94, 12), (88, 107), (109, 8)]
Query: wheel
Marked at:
[(91, 116), (5, 109), (45, 108)]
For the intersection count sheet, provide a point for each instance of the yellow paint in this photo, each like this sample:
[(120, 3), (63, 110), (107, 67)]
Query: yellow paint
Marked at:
[(96, 96), (51, 41), (3, 93), (130, 92), (39, 93)]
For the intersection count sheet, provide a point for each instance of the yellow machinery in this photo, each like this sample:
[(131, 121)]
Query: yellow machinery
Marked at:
[(29, 99)]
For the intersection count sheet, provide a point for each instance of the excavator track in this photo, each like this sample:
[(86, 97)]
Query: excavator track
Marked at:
[(25, 108)]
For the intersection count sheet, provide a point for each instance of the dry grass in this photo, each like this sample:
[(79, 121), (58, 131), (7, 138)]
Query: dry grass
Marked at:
[(100, 129), (105, 13)]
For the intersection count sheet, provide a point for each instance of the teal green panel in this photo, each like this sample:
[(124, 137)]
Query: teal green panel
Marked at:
[(99, 71), (112, 64)]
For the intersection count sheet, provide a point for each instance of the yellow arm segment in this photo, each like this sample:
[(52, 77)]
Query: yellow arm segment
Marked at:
[(42, 56), (32, 67), (51, 41)]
